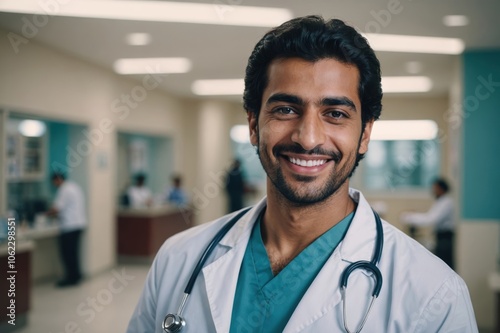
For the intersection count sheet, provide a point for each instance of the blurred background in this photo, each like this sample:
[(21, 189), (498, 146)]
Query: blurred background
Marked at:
[(104, 91)]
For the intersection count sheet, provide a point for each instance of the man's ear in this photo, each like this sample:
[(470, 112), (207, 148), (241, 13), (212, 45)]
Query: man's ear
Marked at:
[(365, 138), (253, 127)]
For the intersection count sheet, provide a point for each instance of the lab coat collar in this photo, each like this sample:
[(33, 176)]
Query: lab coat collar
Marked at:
[(222, 274), (324, 293), (241, 230), (359, 241)]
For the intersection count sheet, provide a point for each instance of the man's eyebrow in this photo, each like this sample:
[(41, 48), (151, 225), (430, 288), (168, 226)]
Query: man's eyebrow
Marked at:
[(287, 98), (335, 101)]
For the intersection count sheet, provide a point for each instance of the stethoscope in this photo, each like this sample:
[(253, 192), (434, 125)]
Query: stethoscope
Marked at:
[(174, 323)]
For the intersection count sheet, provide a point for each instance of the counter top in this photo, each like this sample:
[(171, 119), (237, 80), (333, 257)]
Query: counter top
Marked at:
[(150, 211), (21, 246), (39, 232)]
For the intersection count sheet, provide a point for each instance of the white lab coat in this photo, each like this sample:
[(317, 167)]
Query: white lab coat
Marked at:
[(440, 215), (419, 293), (70, 204)]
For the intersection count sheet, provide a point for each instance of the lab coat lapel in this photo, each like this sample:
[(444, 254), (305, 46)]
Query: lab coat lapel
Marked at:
[(323, 296), (221, 276)]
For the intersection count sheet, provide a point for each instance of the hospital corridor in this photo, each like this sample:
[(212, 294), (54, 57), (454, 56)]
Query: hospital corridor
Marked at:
[(231, 166)]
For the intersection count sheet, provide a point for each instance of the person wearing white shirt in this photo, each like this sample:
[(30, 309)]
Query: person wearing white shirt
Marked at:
[(139, 195), (441, 216), (69, 208)]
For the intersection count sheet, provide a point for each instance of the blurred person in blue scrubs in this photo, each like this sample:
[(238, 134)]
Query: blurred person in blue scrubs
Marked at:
[(176, 195), (441, 217), (312, 93), (69, 208)]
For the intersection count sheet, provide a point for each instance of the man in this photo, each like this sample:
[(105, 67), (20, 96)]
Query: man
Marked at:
[(139, 195), (176, 195), (235, 187), (312, 93), (69, 208), (441, 216)]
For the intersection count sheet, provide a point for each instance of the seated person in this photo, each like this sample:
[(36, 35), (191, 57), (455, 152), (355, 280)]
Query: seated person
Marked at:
[(176, 195)]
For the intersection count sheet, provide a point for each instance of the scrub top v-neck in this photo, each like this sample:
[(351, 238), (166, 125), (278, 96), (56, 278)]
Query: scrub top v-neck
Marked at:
[(264, 303)]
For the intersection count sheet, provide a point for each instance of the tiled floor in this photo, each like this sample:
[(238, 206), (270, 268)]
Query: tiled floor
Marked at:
[(100, 305)]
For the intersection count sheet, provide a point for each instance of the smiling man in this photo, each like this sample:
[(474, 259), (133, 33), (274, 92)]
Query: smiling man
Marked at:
[(310, 256)]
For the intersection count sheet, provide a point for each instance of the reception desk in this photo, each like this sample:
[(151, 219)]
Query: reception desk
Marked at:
[(141, 232), (15, 285), (494, 280)]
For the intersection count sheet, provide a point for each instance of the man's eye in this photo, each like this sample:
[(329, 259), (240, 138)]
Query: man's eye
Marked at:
[(284, 110), (336, 114)]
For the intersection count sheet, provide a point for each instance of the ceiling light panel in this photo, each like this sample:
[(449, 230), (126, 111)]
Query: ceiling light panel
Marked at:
[(152, 65), (455, 20), (406, 84), (404, 130), (415, 44), (32, 128), (157, 11), (218, 87), (138, 39)]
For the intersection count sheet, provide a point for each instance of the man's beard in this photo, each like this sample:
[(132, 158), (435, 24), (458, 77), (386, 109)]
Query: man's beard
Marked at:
[(302, 195)]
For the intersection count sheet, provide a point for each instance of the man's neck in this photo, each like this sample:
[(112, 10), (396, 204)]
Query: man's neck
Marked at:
[(287, 228)]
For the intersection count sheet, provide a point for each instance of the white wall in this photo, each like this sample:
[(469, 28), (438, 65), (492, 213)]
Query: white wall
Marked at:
[(43, 82)]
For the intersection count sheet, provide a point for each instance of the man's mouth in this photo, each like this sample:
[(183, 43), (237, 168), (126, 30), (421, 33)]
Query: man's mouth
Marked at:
[(307, 163)]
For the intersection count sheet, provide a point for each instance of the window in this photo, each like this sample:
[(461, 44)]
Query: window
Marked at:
[(245, 152), (401, 164), (403, 155)]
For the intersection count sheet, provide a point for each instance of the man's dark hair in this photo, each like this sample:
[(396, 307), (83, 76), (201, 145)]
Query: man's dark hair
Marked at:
[(312, 38), (443, 184), (58, 175)]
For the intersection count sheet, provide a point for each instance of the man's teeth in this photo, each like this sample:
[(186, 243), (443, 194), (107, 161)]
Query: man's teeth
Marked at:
[(306, 163)]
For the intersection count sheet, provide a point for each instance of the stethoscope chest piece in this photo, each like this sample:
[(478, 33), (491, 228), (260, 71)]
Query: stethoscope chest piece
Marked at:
[(173, 323)]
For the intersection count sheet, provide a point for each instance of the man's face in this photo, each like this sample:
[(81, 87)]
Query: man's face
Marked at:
[(56, 182), (309, 131)]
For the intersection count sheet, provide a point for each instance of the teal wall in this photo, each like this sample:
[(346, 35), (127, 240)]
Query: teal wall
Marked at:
[(481, 135), (58, 141)]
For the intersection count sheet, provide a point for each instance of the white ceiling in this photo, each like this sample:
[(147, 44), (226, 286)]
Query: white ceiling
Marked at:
[(220, 52)]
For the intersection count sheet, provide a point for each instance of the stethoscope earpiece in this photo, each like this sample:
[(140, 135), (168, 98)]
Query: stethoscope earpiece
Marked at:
[(173, 323)]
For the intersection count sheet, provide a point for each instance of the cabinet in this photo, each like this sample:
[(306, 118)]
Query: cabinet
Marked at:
[(25, 157)]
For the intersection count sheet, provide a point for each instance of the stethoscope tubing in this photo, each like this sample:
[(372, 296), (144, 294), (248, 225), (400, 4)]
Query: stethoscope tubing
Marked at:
[(367, 265)]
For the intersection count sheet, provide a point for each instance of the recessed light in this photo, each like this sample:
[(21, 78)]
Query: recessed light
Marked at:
[(152, 65), (157, 11), (138, 38), (32, 128), (415, 44), (240, 133), (455, 20)]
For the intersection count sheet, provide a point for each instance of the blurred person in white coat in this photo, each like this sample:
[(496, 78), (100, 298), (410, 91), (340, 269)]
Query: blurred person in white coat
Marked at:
[(441, 216), (139, 195), (69, 208)]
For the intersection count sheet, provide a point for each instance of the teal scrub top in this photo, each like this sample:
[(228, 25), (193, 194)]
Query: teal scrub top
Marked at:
[(264, 302)]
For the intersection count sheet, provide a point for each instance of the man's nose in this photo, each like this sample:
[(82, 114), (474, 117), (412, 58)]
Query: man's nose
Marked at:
[(310, 131)]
